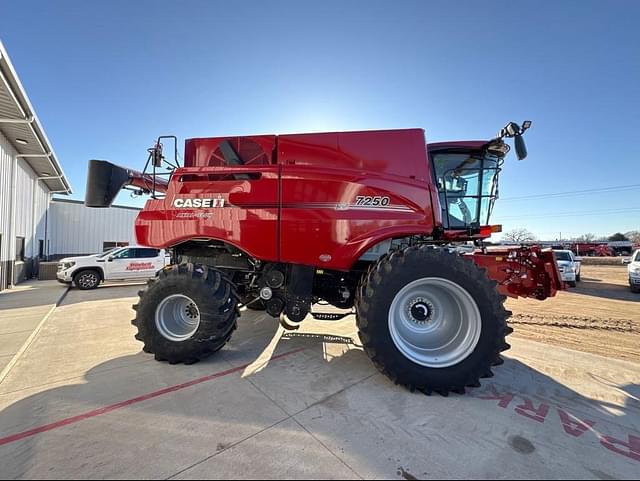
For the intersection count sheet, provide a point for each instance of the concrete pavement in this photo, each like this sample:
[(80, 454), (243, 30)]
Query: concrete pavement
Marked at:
[(21, 311), (84, 402)]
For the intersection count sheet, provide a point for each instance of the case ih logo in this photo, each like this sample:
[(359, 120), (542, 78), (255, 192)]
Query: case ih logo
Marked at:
[(209, 203)]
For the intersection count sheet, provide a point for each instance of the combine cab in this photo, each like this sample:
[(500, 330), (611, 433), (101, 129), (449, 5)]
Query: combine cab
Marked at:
[(367, 222)]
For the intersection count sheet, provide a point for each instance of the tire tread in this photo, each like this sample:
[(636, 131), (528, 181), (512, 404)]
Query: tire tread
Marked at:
[(219, 323), (410, 258)]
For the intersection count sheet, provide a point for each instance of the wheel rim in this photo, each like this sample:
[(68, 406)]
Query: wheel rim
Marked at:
[(177, 318), (434, 322), (88, 280)]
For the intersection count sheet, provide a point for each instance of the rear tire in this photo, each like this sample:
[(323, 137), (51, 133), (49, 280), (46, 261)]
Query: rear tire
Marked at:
[(186, 314), (87, 280), (457, 297)]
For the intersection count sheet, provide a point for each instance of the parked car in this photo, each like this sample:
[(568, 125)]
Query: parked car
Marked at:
[(121, 264), (570, 266), (633, 266)]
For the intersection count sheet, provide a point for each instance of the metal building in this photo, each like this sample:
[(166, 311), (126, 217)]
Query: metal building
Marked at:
[(78, 230), (29, 174)]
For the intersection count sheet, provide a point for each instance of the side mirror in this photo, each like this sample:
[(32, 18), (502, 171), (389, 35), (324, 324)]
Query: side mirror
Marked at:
[(156, 154), (514, 130), (521, 148), (110, 259)]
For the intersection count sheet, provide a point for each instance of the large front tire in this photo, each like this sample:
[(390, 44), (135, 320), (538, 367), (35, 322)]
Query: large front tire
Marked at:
[(186, 314), (432, 320)]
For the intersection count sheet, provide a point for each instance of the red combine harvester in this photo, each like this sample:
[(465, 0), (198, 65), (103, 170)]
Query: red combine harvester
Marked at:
[(364, 221)]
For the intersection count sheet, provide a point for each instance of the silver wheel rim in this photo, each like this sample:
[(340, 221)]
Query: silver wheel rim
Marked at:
[(434, 322), (88, 280), (177, 318)]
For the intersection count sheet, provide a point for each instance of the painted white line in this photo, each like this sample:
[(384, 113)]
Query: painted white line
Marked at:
[(5, 372)]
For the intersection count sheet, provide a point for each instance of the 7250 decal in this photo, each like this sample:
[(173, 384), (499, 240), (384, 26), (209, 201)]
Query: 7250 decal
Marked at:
[(368, 200)]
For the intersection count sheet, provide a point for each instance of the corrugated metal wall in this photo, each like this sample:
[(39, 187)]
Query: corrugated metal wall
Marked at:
[(76, 230), (30, 206), (42, 206), (24, 197), (7, 154)]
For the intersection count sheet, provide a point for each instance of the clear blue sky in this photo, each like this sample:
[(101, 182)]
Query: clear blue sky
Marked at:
[(107, 77)]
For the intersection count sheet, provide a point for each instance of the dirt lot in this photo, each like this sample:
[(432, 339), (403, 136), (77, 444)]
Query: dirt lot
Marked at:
[(600, 316)]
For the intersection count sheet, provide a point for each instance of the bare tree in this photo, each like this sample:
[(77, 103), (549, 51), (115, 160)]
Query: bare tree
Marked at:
[(589, 237), (634, 236), (518, 236)]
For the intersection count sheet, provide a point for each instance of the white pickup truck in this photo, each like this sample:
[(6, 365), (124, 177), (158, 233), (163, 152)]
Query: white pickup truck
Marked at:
[(569, 265), (120, 264), (633, 266)]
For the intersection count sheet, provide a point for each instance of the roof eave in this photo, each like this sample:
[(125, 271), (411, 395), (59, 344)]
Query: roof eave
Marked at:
[(11, 81)]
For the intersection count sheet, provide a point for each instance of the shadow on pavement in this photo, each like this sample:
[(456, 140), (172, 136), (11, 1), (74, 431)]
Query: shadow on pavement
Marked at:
[(604, 290), (25, 297), (171, 422), (103, 293)]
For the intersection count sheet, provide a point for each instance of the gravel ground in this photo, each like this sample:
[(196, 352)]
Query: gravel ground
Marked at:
[(600, 316)]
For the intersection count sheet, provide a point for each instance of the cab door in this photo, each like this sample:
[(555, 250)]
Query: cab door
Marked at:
[(141, 263), (117, 265)]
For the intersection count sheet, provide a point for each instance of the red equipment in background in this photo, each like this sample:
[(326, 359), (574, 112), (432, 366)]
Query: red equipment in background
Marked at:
[(595, 249)]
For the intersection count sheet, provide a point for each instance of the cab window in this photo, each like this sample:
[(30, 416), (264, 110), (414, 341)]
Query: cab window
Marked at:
[(564, 256), (468, 186), (146, 253), (124, 254)]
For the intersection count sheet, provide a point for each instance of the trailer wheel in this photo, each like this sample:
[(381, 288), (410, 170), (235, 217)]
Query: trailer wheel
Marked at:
[(431, 320), (187, 313), (87, 280)]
